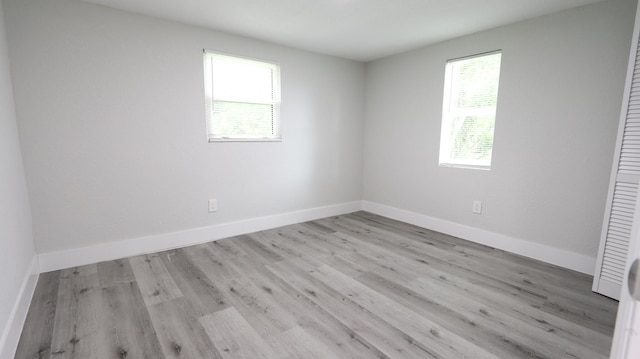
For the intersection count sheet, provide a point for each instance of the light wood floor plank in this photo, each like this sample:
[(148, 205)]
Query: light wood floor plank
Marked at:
[(257, 250), (35, 342), (78, 331), (452, 318), (313, 319), (128, 325), (254, 303), (365, 327), (476, 298), (297, 343), (179, 332), (155, 283), (116, 271), (228, 247), (430, 335), (204, 295), (520, 334), (543, 282), (351, 286), (230, 332)]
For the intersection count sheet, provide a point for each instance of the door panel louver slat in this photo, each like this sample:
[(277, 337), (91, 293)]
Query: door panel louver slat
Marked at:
[(621, 202), (619, 228)]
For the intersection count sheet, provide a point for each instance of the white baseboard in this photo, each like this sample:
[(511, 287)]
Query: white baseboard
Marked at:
[(149, 244), (13, 327), (609, 288), (136, 246), (46, 262), (559, 257)]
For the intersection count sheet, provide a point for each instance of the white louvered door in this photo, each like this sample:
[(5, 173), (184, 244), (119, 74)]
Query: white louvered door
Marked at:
[(623, 189)]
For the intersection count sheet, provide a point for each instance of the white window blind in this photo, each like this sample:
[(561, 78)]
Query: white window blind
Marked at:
[(469, 111), (242, 98)]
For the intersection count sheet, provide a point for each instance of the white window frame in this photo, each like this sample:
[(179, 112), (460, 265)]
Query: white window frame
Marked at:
[(211, 97), (448, 113)]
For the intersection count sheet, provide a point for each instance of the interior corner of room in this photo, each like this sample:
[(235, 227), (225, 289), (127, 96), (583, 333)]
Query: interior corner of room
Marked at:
[(103, 151)]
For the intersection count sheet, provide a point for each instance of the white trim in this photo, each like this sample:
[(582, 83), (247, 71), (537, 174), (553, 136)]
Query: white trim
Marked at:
[(46, 262), (13, 327), (149, 244), (609, 288), (560, 257), (154, 243)]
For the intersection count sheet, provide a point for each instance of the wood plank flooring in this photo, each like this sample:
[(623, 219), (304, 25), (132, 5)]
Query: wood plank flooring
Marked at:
[(351, 286)]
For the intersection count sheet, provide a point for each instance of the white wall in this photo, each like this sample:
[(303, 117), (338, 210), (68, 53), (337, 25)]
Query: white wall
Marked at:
[(111, 110), (113, 135), (558, 107), (16, 243)]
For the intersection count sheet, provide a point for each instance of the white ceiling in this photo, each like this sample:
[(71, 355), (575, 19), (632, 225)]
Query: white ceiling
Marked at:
[(356, 29)]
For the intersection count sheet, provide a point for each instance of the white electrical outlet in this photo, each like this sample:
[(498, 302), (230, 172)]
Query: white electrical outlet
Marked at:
[(213, 205), (477, 207)]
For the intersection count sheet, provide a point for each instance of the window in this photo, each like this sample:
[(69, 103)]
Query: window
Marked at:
[(469, 111), (242, 98)]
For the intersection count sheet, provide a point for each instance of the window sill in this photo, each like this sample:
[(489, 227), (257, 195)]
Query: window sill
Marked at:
[(212, 140), (468, 167)]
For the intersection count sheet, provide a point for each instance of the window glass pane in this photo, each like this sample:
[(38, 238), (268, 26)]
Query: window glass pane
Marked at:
[(475, 82), (469, 109), (471, 139), (235, 81), (242, 98), (237, 118)]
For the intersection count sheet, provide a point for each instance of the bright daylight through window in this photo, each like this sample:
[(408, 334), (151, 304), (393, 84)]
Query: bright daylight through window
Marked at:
[(242, 98), (469, 111)]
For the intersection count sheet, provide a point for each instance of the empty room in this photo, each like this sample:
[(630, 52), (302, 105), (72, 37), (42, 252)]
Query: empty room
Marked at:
[(319, 179)]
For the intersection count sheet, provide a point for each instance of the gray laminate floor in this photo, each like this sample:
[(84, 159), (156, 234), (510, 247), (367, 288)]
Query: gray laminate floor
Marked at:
[(352, 286)]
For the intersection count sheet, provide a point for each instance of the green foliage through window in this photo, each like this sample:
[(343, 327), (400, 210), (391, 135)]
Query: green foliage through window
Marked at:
[(242, 98), (469, 111)]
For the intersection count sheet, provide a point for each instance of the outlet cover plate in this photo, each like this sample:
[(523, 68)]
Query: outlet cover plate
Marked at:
[(477, 207), (213, 205)]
